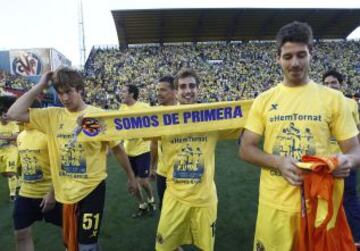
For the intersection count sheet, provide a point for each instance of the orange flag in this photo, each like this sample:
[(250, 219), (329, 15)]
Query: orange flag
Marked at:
[(323, 221), (70, 227)]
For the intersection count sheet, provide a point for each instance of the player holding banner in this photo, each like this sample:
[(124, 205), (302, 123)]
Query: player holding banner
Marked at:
[(189, 210), (78, 169)]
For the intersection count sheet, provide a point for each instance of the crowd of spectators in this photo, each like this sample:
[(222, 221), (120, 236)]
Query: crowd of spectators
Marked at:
[(228, 71), (9, 83)]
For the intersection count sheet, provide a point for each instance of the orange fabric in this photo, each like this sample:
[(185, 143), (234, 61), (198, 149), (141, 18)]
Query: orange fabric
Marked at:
[(319, 184), (70, 227)]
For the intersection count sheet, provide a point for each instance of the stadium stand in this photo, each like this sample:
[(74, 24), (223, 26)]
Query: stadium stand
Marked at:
[(228, 71), (13, 83), (153, 43)]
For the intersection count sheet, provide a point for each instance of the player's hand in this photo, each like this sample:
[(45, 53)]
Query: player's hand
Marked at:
[(133, 187), (46, 79), (290, 171), (48, 202), (344, 167)]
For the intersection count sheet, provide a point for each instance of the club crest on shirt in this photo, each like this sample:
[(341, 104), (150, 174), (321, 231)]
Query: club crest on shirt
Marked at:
[(92, 127)]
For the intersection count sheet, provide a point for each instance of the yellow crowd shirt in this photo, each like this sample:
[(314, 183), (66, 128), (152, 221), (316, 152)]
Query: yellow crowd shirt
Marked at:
[(189, 163), (76, 168), (296, 121), (10, 129), (135, 147), (35, 163)]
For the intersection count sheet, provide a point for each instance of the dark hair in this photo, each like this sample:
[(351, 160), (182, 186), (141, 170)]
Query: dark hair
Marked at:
[(6, 102), (65, 78), (36, 104), (132, 89), (335, 74), (296, 32), (184, 73), (169, 80)]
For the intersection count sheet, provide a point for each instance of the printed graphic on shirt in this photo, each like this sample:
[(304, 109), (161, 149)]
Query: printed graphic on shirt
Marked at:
[(294, 142), (72, 161), (189, 165), (30, 166)]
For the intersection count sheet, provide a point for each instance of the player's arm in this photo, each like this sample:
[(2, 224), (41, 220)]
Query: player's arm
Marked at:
[(250, 152), (153, 157), (19, 111), (350, 157), (123, 159)]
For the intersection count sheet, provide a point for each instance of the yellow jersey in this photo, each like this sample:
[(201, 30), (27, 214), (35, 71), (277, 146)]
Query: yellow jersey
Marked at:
[(76, 168), (135, 147), (296, 121), (189, 163), (35, 163), (354, 110), (355, 114), (161, 167)]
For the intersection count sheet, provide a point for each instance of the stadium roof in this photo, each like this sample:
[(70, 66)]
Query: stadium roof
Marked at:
[(196, 25)]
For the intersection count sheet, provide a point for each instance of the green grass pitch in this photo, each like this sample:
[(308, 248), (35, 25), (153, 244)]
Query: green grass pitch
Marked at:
[(237, 184)]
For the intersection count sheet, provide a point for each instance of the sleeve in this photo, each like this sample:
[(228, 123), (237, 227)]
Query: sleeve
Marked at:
[(40, 119), (355, 112), (255, 121), (342, 123)]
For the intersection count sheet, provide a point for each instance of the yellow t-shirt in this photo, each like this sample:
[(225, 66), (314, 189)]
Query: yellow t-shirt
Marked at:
[(35, 163), (161, 167), (189, 163), (296, 121), (354, 110), (10, 129), (355, 114), (135, 147), (76, 168)]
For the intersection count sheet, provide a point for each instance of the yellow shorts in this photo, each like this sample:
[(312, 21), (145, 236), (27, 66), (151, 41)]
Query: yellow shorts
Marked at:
[(9, 160), (180, 224), (276, 229)]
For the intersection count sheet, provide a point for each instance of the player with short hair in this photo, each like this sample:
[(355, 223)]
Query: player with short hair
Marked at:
[(166, 94), (36, 199), (138, 151), (297, 117), (189, 210), (78, 169)]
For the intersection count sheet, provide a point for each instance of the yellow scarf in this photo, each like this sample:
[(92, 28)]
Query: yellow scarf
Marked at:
[(164, 121)]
